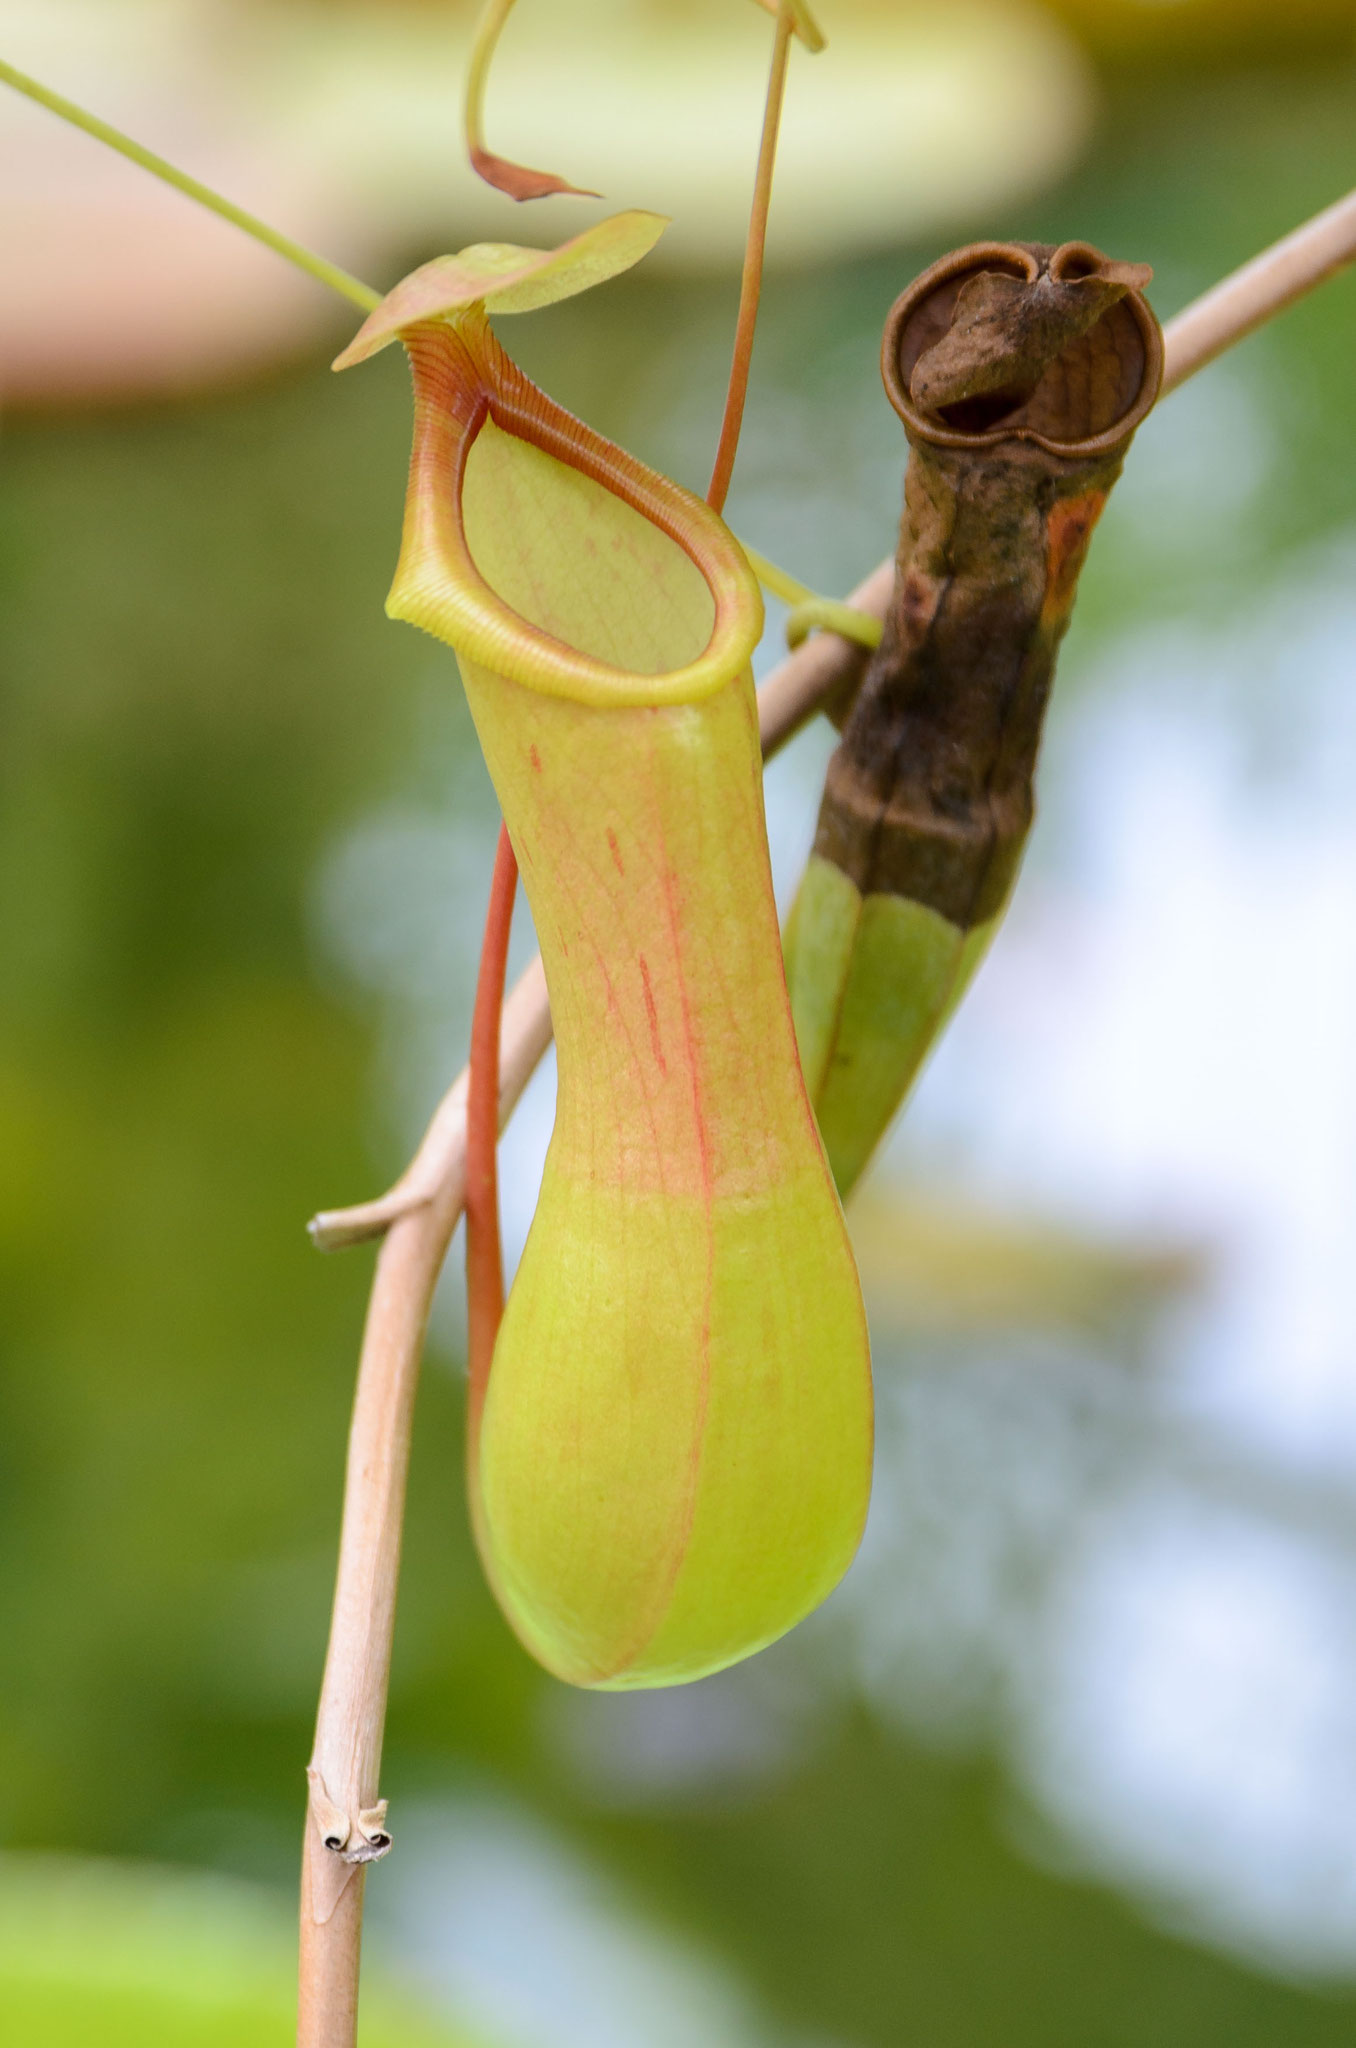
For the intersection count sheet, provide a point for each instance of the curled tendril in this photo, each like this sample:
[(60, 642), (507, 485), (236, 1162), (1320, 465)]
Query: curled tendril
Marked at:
[(808, 610), (826, 614), (518, 180)]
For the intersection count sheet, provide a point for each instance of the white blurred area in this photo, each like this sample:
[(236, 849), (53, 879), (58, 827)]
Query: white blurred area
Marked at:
[(340, 124)]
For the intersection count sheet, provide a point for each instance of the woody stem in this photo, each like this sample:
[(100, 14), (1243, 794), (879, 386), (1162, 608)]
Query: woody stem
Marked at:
[(346, 1759), (1248, 297)]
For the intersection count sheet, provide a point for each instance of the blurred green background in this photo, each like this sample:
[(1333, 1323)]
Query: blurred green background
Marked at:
[(244, 847)]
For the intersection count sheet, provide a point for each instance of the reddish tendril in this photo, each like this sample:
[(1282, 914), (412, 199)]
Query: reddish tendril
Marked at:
[(484, 1260), (520, 181), (751, 282)]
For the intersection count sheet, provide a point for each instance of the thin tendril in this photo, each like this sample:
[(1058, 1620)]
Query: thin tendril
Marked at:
[(825, 614), (518, 180), (808, 611), (788, 588), (305, 259), (802, 21), (484, 1259), (351, 288), (751, 282)]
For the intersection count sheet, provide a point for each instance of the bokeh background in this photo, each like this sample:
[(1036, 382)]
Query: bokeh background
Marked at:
[(1070, 1758)]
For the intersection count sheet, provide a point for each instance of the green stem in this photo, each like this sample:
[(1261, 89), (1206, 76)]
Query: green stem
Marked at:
[(788, 588), (305, 259)]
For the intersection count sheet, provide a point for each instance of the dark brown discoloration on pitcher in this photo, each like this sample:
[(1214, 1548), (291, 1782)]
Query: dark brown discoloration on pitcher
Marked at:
[(1020, 373)]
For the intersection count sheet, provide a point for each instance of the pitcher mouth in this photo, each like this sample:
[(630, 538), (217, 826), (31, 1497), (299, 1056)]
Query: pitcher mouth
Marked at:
[(1082, 400), (463, 381)]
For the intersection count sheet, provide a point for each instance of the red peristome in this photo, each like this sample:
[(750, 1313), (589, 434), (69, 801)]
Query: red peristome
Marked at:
[(462, 377)]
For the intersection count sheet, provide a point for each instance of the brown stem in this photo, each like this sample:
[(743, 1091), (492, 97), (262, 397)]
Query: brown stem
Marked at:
[(751, 282), (484, 1258), (345, 1819), (524, 1034), (1258, 291), (418, 1219), (419, 1215)]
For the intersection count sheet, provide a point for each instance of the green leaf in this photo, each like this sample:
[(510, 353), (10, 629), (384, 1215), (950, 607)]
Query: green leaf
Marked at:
[(506, 278), (98, 1954)]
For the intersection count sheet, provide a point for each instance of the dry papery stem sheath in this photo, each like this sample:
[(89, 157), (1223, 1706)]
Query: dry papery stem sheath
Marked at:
[(345, 1819), (1020, 373)]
